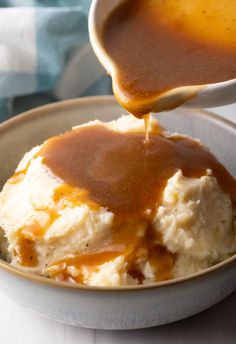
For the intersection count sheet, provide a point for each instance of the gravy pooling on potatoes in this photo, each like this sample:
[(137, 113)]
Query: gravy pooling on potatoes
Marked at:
[(122, 172), (160, 45), (126, 175)]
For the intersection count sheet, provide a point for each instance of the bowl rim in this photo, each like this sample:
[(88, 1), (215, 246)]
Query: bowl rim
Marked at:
[(105, 100)]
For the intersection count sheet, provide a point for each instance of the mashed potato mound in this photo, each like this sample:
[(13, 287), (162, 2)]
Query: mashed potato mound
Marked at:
[(195, 219)]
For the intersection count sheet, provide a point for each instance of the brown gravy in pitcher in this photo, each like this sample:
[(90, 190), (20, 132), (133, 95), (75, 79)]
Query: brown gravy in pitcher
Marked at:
[(157, 46)]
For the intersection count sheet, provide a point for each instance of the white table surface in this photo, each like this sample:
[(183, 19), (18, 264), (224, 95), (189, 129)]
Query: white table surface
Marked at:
[(214, 326)]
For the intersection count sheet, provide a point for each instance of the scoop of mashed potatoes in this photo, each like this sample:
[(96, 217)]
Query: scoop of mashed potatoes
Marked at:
[(195, 220)]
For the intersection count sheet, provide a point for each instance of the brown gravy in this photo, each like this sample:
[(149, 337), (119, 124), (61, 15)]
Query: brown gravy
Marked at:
[(25, 253), (161, 45), (123, 173), (125, 240)]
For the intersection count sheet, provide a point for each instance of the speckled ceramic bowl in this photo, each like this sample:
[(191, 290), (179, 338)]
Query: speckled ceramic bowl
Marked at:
[(114, 308)]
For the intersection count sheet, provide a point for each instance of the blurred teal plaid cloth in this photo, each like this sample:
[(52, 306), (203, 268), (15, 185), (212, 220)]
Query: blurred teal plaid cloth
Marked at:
[(45, 54)]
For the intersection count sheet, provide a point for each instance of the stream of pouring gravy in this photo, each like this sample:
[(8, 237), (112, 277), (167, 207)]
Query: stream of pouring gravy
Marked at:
[(157, 46)]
